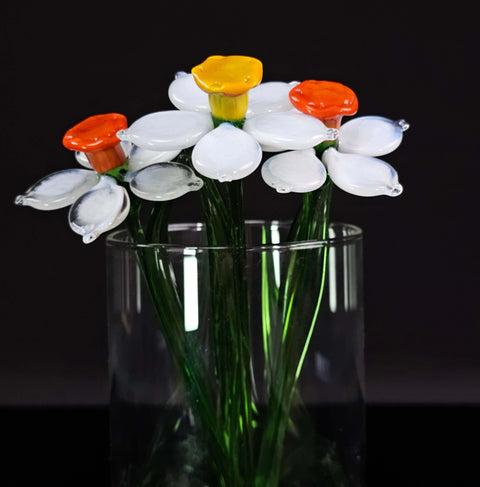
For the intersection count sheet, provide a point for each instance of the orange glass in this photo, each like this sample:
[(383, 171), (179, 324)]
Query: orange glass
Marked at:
[(326, 100), (97, 137)]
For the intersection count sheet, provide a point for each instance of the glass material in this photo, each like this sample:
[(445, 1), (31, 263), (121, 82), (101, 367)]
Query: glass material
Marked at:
[(97, 137), (226, 153), (371, 135), (328, 101), (288, 130), (99, 210), (228, 75), (167, 130), (258, 388), (59, 189), (361, 175), (164, 182), (297, 171)]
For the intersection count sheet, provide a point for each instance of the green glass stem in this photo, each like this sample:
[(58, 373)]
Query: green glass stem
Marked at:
[(286, 354), (156, 270), (157, 224), (222, 205), (226, 415), (225, 221), (231, 328), (237, 123)]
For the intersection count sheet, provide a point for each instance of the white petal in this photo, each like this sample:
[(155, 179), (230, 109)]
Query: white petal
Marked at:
[(270, 97), (140, 158), (297, 171), (82, 159), (99, 210), (185, 94), (59, 189), (267, 148), (126, 146), (371, 136), (361, 175), (288, 130), (164, 182), (169, 130), (227, 153)]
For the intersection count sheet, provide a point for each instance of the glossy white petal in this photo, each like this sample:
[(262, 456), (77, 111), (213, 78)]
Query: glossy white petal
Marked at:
[(126, 146), (82, 159), (266, 148), (140, 158), (98, 211), (164, 182), (270, 97), (371, 136), (185, 94), (169, 130), (59, 189), (288, 130), (227, 153), (361, 175), (297, 171)]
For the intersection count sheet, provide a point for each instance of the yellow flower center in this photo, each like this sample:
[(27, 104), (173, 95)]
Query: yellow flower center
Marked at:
[(228, 107), (227, 80)]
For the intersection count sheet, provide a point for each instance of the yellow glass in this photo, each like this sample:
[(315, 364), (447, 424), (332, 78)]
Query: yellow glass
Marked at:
[(229, 75), (228, 107)]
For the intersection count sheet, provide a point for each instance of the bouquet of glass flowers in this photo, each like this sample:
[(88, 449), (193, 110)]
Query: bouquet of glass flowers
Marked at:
[(227, 123)]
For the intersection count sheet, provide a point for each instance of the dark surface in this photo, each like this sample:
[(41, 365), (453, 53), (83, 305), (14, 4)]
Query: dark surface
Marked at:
[(414, 446), (409, 59)]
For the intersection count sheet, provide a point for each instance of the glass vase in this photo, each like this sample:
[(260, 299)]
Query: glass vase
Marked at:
[(234, 367)]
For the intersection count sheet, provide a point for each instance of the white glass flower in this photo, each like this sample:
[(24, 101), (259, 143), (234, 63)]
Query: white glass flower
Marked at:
[(97, 202), (226, 153), (271, 96), (354, 167)]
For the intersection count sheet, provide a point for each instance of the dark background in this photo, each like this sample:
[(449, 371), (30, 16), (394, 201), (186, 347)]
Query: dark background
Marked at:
[(412, 60)]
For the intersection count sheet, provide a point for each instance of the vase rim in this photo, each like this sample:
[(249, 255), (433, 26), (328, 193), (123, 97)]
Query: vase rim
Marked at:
[(340, 233)]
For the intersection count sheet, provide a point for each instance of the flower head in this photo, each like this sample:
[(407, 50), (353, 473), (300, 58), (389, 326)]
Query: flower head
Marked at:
[(227, 80), (326, 100), (353, 167), (97, 137), (223, 151), (97, 202), (228, 75)]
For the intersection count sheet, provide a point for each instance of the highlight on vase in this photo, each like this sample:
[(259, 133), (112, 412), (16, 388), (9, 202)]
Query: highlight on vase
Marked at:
[(239, 362)]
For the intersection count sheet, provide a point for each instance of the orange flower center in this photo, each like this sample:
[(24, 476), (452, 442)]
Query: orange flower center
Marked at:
[(326, 100), (97, 137)]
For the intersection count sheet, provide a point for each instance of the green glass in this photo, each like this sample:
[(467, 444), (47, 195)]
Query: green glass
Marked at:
[(237, 366)]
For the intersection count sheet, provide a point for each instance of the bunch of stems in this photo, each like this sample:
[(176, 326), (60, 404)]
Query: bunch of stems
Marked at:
[(245, 450)]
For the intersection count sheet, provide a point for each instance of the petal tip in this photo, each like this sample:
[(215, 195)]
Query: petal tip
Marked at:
[(123, 135), (90, 237), (19, 200), (195, 184), (403, 124), (396, 190)]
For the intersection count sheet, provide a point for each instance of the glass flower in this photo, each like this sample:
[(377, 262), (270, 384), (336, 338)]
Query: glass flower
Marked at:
[(223, 151), (97, 201), (227, 80), (328, 101), (353, 165)]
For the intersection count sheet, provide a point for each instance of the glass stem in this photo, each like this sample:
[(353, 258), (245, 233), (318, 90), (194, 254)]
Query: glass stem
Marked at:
[(304, 269), (187, 357)]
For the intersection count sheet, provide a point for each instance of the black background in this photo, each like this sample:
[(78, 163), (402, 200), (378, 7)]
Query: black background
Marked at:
[(412, 60)]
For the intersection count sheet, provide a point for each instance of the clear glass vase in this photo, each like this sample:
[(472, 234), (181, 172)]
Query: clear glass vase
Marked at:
[(237, 367)]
